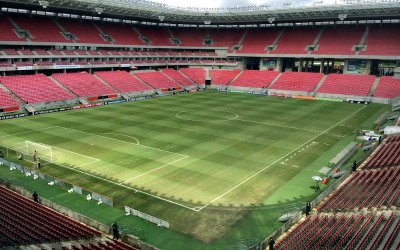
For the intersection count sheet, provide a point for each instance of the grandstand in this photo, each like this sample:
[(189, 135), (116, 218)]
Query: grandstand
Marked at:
[(122, 81), (254, 79), (346, 225), (200, 147), (83, 84), (35, 88)]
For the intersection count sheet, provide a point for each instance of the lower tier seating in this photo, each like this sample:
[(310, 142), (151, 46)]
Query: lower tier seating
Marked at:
[(35, 88), (297, 81), (387, 154), (83, 84), (23, 221), (122, 81), (178, 77), (197, 75), (223, 77), (347, 84), (255, 78), (367, 189), (344, 231), (388, 87), (6, 100), (157, 80)]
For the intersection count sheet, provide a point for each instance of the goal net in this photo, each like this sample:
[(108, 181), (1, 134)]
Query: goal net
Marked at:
[(43, 151)]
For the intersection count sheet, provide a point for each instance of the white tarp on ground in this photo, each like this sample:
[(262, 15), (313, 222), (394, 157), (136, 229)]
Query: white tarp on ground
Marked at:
[(389, 130)]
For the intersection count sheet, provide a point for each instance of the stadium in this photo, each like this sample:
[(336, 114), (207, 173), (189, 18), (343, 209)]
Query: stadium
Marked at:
[(135, 124)]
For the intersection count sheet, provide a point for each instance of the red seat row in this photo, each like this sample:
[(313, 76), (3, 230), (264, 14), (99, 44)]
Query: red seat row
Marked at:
[(344, 231), (23, 221)]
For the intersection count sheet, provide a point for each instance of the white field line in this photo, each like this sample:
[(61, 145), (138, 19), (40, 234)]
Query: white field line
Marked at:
[(128, 187), (95, 159), (236, 118), (227, 118), (319, 104), (112, 182), (139, 145), (153, 170), (268, 166), (282, 126), (136, 139), (85, 164), (28, 131)]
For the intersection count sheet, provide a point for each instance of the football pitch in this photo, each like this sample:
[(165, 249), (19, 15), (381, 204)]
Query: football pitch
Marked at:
[(211, 157)]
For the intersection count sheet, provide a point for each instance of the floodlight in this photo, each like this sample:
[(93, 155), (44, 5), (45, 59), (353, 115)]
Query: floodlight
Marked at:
[(161, 18), (44, 4), (99, 10), (271, 19), (342, 16), (207, 22)]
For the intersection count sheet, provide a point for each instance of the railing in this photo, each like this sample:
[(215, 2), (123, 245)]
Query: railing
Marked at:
[(35, 174)]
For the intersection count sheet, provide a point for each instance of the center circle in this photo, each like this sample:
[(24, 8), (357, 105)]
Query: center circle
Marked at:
[(206, 115)]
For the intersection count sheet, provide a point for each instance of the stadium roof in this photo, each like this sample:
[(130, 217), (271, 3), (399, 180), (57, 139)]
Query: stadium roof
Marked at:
[(142, 10)]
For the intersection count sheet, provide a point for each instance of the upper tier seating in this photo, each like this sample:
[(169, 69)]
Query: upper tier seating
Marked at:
[(7, 31), (122, 81), (157, 36), (197, 75), (178, 77), (256, 41), (190, 37), (295, 41), (255, 78), (42, 29), (10, 52), (225, 38), (122, 34), (23, 221), (388, 154), (85, 32), (343, 231), (6, 100), (383, 40), (297, 81), (157, 80), (339, 40), (388, 87), (83, 84), (346, 84), (223, 77), (35, 88)]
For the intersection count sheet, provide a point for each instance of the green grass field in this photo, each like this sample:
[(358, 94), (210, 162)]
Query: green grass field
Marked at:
[(220, 167)]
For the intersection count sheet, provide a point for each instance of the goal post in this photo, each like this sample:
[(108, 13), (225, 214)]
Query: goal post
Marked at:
[(43, 151)]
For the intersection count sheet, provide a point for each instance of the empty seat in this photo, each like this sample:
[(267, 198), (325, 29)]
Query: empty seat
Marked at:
[(6, 100), (178, 77), (223, 77), (388, 87), (297, 81), (122, 81), (35, 88), (255, 78), (197, 75), (83, 84), (157, 80), (347, 84)]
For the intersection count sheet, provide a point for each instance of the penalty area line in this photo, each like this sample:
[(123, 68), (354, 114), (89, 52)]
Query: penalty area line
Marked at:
[(28, 131), (198, 209), (128, 187), (153, 170), (110, 138)]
